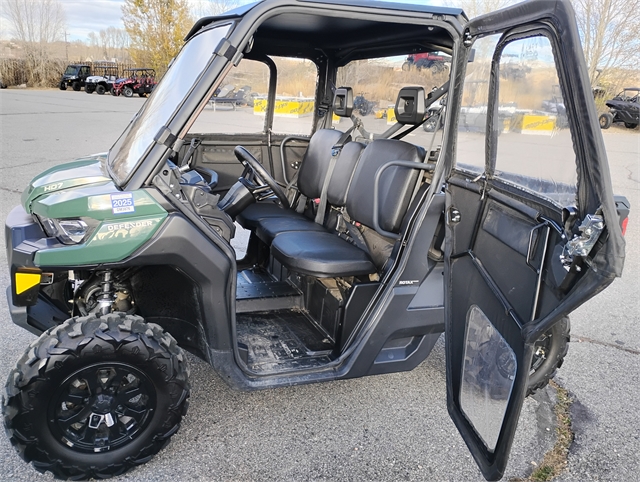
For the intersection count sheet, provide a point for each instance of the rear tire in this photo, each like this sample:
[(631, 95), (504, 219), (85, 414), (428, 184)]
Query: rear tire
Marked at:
[(96, 396), (629, 125), (76, 86), (605, 120), (142, 94), (113, 92), (88, 89), (100, 89), (127, 91), (549, 353)]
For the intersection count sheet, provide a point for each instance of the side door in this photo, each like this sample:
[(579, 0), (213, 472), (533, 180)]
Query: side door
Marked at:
[(532, 230), (265, 104)]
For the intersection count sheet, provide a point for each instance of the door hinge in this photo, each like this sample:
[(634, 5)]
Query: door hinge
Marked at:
[(165, 137), (454, 216)]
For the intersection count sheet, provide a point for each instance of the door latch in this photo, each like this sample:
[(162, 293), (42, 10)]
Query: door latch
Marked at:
[(582, 244)]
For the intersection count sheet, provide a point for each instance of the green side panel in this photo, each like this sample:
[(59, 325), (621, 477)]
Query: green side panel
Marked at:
[(112, 241), (93, 201)]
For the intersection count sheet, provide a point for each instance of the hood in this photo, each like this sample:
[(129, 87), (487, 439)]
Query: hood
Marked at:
[(82, 172)]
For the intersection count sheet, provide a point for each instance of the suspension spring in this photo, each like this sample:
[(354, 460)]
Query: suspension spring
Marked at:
[(106, 296)]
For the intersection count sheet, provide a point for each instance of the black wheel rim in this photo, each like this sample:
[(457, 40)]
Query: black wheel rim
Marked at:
[(540, 352), (102, 407)]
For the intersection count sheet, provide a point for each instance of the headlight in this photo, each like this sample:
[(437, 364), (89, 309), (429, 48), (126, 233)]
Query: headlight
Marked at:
[(72, 231), (68, 231)]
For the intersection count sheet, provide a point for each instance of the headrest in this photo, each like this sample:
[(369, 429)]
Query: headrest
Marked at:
[(410, 108), (343, 102)]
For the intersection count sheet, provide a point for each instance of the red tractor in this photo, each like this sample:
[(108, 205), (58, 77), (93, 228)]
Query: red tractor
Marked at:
[(427, 60), (135, 81)]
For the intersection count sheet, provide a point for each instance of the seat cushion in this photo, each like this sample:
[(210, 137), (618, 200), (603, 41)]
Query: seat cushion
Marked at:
[(269, 228), (250, 217), (320, 254)]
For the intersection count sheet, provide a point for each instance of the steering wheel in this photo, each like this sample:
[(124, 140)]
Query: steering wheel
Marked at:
[(256, 178)]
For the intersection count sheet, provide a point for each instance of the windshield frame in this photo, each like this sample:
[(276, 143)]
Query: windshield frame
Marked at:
[(146, 123)]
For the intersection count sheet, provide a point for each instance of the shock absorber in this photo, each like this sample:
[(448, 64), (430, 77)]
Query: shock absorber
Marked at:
[(106, 297)]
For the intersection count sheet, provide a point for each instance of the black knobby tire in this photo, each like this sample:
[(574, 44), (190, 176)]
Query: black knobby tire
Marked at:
[(63, 86), (113, 91), (100, 89), (127, 91), (88, 89), (630, 125), (96, 396), (605, 120), (76, 86), (548, 356)]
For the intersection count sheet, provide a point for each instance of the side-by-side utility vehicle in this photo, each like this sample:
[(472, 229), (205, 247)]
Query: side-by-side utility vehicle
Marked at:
[(75, 76), (369, 237)]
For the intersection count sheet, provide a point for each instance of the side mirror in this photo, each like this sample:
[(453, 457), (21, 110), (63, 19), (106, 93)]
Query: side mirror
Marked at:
[(410, 106)]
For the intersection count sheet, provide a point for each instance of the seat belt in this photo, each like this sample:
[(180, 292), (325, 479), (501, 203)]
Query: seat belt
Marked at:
[(335, 153)]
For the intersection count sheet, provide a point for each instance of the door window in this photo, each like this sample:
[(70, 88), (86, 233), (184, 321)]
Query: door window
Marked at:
[(376, 84), (534, 146), (472, 123), (295, 96), (233, 108)]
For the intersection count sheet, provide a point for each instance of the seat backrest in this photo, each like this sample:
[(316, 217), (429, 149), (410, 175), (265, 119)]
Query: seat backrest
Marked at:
[(315, 162), (395, 187), (343, 173)]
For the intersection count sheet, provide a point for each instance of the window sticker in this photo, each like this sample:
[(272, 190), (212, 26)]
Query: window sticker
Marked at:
[(122, 203)]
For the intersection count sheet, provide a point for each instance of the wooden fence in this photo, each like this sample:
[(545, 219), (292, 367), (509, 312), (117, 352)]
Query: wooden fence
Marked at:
[(43, 73)]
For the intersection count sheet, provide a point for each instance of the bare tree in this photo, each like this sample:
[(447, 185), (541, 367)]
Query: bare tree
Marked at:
[(35, 24), (474, 8), (204, 8), (609, 30)]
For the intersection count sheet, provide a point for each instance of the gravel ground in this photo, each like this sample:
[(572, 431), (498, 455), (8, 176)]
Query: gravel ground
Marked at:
[(391, 427)]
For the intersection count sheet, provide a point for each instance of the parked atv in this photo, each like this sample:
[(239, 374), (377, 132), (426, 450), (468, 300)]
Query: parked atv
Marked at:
[(103, 79), (75, 76), (120, 261), (362, 105), (135, 81), (625, 108), (427, 60)]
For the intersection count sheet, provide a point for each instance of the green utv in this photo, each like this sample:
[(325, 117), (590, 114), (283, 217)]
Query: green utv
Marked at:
[(369, 237)]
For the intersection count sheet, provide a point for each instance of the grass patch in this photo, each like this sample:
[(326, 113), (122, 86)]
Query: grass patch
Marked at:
[(554, 461)]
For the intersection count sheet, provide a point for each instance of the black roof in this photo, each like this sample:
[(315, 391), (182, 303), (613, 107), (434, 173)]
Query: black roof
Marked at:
[(344, 37)]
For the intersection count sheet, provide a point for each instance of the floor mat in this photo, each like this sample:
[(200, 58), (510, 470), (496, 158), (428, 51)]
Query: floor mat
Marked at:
[(282, 340)]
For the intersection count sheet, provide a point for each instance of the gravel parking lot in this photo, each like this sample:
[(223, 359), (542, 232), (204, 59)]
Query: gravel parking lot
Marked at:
[(390, 427)]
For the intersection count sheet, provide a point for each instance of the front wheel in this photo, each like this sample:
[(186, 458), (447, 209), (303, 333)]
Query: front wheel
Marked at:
[(96, 396), (605, 120), (548, 355), (89, 89), (63, 85)]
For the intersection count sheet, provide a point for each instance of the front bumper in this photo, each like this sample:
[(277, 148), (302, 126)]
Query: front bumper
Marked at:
[(30, 308)]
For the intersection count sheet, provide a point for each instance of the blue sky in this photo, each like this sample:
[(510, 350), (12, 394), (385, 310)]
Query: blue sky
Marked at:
[(84, 16)]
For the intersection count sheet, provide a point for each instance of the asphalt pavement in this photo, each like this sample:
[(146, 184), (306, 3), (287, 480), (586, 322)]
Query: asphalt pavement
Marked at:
[(382, 428)]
